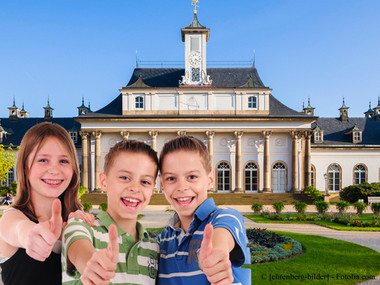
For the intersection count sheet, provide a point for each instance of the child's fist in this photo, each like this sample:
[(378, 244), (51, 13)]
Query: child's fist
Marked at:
[(42, 237), (100, 269)]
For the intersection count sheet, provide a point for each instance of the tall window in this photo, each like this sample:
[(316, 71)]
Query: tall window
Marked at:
[(223, 177), (334, 178), (9, 178), (279, 177), (251, 177), (139, 102), (312, 176), (252, 102), (318, 136), (360, 173)]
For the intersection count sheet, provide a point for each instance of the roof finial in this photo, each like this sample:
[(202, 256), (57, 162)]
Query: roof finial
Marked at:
[(137, 61), (369, 105), (254, 59), (14, 101), (378, 100), (303, 105), (82, 100), (195, 5)]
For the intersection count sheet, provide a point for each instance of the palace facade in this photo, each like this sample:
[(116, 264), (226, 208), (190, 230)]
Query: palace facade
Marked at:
[(256, 143)]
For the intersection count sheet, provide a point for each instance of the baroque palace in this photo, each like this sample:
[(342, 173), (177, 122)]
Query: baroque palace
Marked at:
[(256, 143)]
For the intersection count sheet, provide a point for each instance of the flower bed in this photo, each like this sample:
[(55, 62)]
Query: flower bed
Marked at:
[(267, 246)]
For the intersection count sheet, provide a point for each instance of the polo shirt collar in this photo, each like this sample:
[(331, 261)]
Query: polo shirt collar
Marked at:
[(107, 221), (203, 211)]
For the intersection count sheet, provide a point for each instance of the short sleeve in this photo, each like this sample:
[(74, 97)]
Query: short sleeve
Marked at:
[(75, 229), (233, 221)]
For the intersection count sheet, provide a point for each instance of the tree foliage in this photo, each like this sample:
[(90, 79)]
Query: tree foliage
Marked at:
[(7, 161)]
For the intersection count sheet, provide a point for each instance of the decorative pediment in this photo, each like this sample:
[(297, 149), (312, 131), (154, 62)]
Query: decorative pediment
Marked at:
[(138, 84), (250, 83)]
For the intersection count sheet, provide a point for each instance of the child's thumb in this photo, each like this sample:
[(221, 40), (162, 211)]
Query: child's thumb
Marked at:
[(113, 245), (206, 246), (56, 218)]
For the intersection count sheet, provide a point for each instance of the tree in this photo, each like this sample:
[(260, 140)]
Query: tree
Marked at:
[(7, 161)]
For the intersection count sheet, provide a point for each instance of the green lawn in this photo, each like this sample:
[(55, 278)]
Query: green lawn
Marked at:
[(364, 218), (325, 261)]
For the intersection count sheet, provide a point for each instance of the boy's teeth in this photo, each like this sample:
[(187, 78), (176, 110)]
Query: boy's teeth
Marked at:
[(184, 201), (130, 202)]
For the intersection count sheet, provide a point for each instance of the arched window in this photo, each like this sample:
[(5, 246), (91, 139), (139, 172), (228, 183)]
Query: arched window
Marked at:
[(279, 177), (252, 102), (312, 176), (359, 174), (139, 102), (251, 177), (223, 177), (334, 178)]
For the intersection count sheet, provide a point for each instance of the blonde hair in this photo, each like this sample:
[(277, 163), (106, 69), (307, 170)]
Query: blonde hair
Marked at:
[(35, 137)]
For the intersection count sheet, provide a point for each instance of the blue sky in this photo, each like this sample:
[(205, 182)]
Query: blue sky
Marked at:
[(325, 49)]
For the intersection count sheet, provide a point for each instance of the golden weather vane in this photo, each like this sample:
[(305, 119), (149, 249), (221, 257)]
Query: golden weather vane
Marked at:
[(195, 4)]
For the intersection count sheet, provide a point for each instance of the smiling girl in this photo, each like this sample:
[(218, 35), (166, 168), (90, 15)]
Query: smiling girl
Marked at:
[(47, 191)]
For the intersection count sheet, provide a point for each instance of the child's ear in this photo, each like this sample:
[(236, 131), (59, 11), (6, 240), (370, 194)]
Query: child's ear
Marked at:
[(210, 179), (102, 180)]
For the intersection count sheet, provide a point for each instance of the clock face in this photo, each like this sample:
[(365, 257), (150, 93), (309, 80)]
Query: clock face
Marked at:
[(195, 58)]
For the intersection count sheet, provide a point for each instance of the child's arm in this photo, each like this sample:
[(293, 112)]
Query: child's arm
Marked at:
[(38, 239), (96, 267), (214, 255)]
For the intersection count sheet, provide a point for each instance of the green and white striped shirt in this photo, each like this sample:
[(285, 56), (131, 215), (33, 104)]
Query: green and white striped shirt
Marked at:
[(138, 262)]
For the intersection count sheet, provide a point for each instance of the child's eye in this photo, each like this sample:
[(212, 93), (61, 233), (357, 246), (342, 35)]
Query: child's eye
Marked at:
[(192, 177), (42, 160), (64, 161), (170, 179), (146, 182), (124, 178)]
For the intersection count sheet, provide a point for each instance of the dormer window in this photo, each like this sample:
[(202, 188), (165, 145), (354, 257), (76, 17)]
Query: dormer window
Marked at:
[(74, 136), (252, 102), (139, 102), (357, 137), (318, 137)]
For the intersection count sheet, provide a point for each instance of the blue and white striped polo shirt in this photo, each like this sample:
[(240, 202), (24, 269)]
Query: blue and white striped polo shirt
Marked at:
[(178, 257)]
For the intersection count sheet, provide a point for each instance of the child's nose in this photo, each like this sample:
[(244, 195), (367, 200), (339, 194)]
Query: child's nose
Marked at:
[(182, 185)]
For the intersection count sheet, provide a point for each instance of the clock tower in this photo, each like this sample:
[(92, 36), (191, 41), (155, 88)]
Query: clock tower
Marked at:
[(195, 37)]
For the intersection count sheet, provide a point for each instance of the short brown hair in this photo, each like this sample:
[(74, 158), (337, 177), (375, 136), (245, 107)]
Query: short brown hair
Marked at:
[(129, 146), (35, 137), (186, 143)]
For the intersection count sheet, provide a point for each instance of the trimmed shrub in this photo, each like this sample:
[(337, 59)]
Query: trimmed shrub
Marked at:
[(278, 206), (342, 206), (103, 206), (375, 208), (300, 207), (87, 206), (257, 207), (314, 193), (360, 207), (322, 206)]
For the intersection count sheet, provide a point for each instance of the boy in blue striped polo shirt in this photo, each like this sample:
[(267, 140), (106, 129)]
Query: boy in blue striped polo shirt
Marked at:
[(203, 244)]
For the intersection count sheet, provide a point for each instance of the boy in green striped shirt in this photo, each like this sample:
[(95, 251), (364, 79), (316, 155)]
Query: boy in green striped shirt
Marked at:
[(116, 249)]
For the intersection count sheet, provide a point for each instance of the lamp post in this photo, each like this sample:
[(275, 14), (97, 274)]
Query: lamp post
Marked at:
[(326, 186)]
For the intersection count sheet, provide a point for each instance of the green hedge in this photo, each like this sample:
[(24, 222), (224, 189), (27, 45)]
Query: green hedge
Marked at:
[(353, 193)]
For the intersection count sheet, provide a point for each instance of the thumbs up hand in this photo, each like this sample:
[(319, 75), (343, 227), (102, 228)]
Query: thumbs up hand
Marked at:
[(42, 237), (214, 261), (100, 269)]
